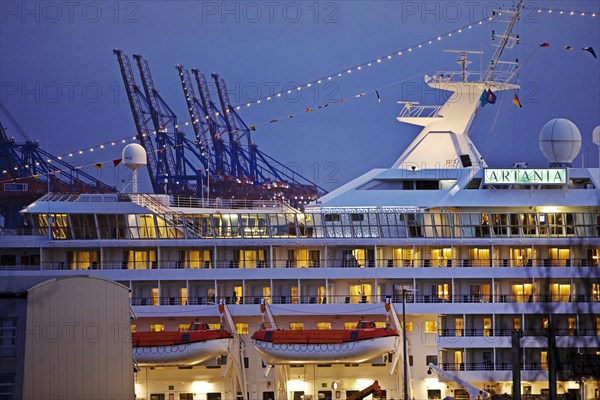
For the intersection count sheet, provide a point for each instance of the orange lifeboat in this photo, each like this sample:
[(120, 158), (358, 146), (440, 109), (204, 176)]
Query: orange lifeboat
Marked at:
[(193, 346), (318, 346)]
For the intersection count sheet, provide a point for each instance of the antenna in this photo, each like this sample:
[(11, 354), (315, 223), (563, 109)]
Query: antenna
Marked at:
[(464, 61)]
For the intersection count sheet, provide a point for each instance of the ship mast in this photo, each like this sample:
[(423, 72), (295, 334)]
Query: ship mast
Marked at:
[(444, 141)]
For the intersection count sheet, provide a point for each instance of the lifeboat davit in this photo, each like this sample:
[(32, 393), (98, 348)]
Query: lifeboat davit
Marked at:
[(324, 346), (196, 345)]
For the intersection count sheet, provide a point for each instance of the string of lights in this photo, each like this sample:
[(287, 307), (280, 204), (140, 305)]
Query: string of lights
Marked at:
[(344, 72), (562, 12), (366, 65), (299, 87)]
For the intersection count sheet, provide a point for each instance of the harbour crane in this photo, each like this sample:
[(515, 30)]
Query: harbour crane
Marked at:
[(28, 172)]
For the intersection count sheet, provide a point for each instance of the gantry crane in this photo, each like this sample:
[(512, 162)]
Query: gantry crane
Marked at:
[(232, 168), (27, 172), (156, 169)]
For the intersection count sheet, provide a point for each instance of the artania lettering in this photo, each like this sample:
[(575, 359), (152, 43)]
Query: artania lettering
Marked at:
[(518, 176)]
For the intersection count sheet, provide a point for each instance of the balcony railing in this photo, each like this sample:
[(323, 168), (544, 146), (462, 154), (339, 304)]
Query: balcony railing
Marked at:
[(331, 262)]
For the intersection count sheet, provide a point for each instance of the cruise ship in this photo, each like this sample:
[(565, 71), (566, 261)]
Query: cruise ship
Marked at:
[(438, 277)]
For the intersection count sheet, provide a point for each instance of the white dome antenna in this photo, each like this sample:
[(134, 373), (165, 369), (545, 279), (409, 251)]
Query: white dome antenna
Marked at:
[(134, 158), (560, 141)]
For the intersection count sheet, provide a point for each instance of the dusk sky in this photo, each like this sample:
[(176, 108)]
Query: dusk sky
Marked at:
[(61, 81)]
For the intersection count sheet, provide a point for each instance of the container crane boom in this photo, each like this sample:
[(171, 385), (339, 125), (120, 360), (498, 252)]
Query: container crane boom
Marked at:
[(164, 152), (239, 164), (141, 124), (474, 391), (210, 110), (200, 125)]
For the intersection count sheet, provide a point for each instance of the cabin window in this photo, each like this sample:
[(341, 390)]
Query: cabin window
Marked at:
[(133, 328), (296, 326), (241, 328), (522, 292), (349, 325), (332, 217), (323, 326), (214, 327), (182, 327), (157, 327), (430, 326), (357, 217), (431, 360)]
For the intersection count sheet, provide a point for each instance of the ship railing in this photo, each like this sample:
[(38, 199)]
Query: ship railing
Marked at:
[(107, 264), (507, 332), (491, 366), (20, 231), (415, 111), (314, 298), (196, 202)]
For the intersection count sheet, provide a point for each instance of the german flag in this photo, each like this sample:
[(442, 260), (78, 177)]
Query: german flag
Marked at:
[(516, 101)]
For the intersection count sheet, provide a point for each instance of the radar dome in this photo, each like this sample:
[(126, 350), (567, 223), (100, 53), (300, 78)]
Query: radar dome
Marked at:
[(134, 156), (560, 141), (596, 135)]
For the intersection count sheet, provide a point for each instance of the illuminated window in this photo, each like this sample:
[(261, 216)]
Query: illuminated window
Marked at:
[(487, 326), (266, 294), (595, 291), (572, 326), (155, 297), (157, 327), (349, 325), (182, 327), (522, 292), (296, 326), (380, 324), (238, 295), (321, 293), (409, 327), (294, 292), (430, 326), (183, 296), (459, 326), (516, 323), (323, 326), (443, 291), (241, 328), (560, 292), (133, 328), (215, 327), (544, 360)]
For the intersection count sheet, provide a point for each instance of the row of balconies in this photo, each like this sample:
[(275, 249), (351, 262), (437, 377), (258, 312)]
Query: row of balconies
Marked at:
[(325, 263), (343, 299)]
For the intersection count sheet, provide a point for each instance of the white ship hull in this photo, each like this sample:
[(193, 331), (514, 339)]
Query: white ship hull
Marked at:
[(182, 354), (350, 352)]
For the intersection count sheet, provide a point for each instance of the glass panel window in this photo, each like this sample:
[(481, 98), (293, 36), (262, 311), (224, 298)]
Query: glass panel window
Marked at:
[(241, 328), (157, 327), (182, 327), (430, 326), (296, 326), (323, 325)]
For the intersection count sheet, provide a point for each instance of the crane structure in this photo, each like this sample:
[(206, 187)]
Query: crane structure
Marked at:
[(373, 388), (473, 391), (221, 160), (28, 172)]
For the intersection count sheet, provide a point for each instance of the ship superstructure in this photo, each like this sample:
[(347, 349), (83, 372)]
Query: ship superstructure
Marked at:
[(495, 271)]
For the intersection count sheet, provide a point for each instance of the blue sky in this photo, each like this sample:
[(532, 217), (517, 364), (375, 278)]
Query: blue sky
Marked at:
[(61, 81)]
